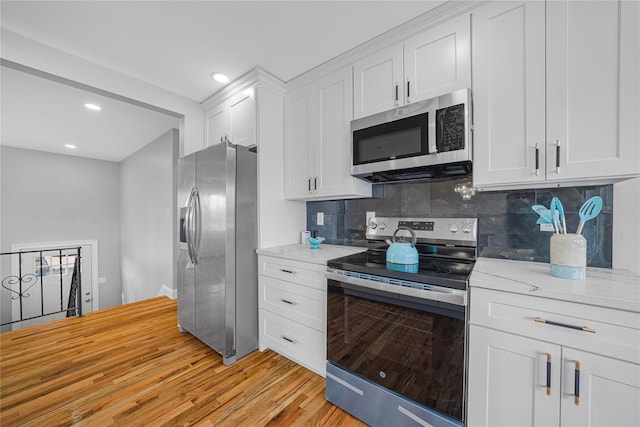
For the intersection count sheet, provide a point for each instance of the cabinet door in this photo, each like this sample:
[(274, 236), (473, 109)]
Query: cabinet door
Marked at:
[(507, 383), (217, 124), (593, 95), (378, 82), (332, 153), (609, 391), (298, 112), (242, 118), (509, 92), (438, 61)]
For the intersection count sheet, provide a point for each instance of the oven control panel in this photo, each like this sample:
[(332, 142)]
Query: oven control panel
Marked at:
[(462, 231), (417, 225)]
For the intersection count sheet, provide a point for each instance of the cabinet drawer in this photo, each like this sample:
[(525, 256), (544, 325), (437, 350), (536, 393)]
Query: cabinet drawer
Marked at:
[(297, 342), (303, 273), (295, 302), (609, 332)]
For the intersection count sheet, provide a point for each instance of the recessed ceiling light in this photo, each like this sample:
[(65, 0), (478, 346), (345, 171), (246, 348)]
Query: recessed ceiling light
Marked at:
[(219, 77), (70, 146), (93, 107)]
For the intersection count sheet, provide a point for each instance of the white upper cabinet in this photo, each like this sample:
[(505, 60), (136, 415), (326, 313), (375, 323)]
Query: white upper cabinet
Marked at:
[(217, 124), (317, 140), (508, 92), (557, 113), (378, 82), (298, 147), (593, 88), (438, 61), (242, 118), (234, 118), (429, 64)]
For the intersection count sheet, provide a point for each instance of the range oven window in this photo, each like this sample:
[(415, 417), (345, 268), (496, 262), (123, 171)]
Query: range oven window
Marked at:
[(403, 346), (394, 140)]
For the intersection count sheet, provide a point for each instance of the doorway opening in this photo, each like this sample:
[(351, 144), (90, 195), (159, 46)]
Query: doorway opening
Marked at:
[(55, 271)]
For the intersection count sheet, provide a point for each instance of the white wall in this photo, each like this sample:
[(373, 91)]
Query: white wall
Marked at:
[(52, 198), (148, 223)]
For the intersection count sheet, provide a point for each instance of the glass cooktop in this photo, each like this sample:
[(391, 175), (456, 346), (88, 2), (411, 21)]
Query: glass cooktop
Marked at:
[(429, 270)]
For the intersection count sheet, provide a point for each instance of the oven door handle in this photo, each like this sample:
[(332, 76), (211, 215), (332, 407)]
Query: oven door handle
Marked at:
[(451, 296)]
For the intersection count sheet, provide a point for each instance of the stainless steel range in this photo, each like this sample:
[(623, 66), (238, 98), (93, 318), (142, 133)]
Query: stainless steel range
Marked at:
[(396, 333)]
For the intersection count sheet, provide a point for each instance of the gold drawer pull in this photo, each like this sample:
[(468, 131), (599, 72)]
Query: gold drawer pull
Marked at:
[(565, 325)]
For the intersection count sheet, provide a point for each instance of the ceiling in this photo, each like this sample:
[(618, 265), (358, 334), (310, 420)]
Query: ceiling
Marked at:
[(41, 114), (174, 45)]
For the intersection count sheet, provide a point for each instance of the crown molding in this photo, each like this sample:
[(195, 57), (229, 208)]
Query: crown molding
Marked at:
[(397, 35), (255, 77)]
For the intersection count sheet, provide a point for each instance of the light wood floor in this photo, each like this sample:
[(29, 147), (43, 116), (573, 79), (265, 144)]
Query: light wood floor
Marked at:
[(130, 366)]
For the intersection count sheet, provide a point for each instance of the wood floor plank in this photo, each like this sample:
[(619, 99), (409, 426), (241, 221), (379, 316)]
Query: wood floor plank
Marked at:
[(130, 366)]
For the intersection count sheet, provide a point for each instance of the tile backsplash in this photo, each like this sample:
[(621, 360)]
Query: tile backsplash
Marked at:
[(506, 224)]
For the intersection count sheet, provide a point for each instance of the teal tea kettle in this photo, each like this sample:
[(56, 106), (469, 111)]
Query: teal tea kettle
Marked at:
[(403, 252)]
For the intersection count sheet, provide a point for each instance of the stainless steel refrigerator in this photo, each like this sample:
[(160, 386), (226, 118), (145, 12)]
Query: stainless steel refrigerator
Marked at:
[(217, 261)]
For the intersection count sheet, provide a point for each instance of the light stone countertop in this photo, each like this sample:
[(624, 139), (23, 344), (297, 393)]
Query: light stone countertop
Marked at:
[(302, 252), (617, 289)]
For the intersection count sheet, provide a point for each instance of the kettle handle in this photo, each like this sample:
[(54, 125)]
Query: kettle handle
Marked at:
[(414, 239)]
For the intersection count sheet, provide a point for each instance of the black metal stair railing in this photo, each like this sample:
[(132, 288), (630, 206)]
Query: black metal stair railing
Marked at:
[(20, 284)]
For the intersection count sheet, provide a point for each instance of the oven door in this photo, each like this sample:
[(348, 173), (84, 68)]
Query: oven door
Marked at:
[(412, 346)]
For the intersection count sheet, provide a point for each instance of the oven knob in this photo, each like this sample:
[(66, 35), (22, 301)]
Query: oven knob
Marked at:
[(382, 226), (466, 228), (373, 225), (453, 228)]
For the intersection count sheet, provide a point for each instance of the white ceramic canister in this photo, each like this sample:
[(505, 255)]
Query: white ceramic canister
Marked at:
[(304, 235), (568, 255)]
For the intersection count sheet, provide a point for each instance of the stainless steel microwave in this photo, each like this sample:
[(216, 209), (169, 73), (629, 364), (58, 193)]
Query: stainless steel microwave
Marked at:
[(425, 140)]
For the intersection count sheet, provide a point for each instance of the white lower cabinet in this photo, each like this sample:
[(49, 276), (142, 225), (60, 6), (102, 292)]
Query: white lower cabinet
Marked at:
[(609, 390), (531, 363), (292, 310), (507, 380)]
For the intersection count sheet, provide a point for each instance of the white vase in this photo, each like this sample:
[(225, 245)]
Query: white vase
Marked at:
[(568, 256)]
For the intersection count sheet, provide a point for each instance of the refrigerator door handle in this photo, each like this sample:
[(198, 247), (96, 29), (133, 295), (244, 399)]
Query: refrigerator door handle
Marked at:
[(197, 223), (188, 226)]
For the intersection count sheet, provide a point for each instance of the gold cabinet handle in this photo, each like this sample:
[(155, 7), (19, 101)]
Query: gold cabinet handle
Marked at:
[(548, 374), (576, 383)]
